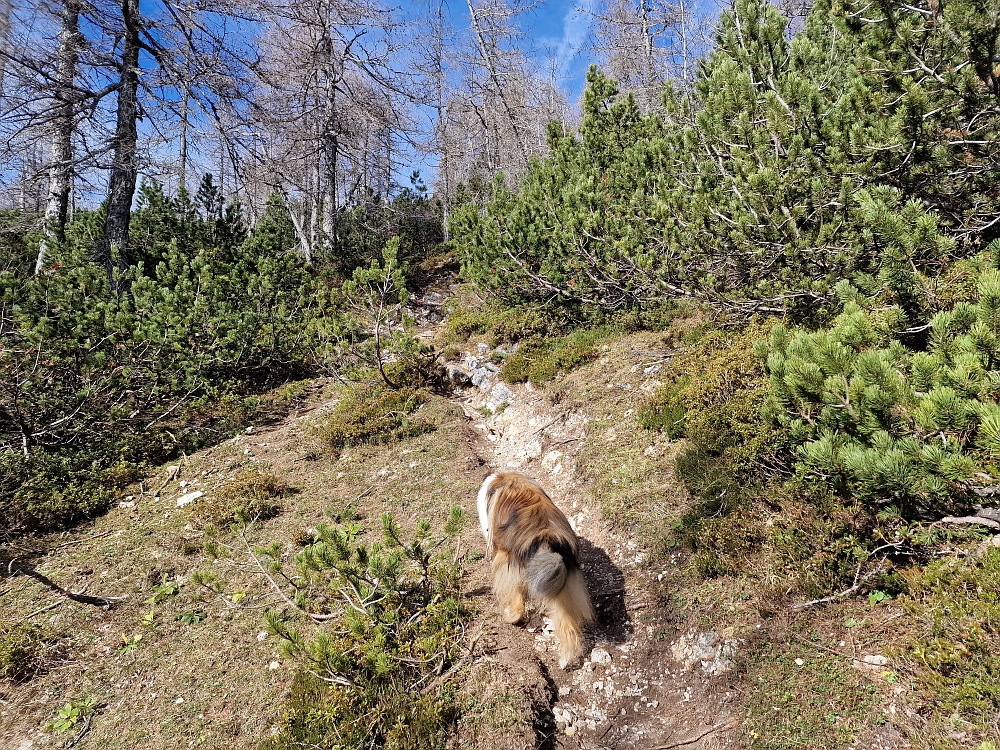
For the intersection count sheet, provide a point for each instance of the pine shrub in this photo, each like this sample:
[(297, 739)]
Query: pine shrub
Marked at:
[(368, 415), (884, 422), (376, 675)]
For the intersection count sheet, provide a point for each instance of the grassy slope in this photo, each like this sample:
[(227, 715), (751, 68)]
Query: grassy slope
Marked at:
[(212, 683)]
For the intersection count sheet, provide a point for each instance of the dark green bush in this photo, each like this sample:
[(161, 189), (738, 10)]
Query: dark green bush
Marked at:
[(91, 382), (884, 422)]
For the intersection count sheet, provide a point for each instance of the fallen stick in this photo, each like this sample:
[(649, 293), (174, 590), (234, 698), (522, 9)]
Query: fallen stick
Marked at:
[(79, 541), (454, 667), (40, 610), (978, 520), (692, 740), (76, 596)]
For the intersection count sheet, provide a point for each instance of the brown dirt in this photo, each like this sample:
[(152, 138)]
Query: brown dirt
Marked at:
[(641, 697)]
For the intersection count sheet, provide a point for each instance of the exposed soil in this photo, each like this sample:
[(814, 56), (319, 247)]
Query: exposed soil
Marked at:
[(632, 694)]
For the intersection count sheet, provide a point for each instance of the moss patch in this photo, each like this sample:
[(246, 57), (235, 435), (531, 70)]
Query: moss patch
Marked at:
[(373, 416)]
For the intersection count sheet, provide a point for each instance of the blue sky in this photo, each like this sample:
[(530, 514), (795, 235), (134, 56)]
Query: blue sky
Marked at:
[(562, 26)]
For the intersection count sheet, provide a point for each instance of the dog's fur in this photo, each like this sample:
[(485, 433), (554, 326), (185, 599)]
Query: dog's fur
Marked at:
[(534, 554)]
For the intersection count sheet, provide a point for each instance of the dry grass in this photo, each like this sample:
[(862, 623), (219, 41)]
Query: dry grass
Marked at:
[(186, 668)]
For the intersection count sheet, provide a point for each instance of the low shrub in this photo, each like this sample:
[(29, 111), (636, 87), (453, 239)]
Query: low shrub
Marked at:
[(376, 676), (540, 360), (887, 423), (250, 496), (714, 397), (26, 649), (369, 415)]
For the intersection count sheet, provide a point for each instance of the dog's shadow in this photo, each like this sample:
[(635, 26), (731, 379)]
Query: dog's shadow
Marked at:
[(607, 591)]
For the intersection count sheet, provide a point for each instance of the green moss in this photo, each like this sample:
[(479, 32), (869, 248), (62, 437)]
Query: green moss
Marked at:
[(25, 649), (540, 360), (952, 643), (369, 415)]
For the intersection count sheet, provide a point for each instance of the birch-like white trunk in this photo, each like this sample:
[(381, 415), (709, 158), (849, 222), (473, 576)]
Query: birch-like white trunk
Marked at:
[(61, 144)]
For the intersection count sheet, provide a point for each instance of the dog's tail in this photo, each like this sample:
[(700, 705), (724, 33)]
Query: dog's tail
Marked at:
[(546, 575)]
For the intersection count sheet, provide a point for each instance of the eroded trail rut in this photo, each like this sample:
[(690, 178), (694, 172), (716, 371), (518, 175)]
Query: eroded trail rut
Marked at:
[(630, 692)]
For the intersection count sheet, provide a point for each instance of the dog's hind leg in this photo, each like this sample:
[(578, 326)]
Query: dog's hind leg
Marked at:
[(570, 610), (509, 587)]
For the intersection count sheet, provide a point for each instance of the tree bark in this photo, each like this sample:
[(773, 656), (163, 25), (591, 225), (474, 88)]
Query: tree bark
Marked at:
[(61, 147), (183, 145), (330, 146), (124, 168), (5, 11)]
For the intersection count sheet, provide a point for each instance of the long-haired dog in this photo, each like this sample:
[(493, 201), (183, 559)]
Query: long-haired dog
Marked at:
[(534, 554)]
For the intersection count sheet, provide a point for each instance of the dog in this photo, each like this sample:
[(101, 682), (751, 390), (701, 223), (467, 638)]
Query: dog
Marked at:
[(533, 551)]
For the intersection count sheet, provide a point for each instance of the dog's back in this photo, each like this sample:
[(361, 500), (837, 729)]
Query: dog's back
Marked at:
[(534, 551)]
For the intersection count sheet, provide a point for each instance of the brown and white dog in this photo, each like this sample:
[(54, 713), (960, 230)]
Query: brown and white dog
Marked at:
[(534, 554)]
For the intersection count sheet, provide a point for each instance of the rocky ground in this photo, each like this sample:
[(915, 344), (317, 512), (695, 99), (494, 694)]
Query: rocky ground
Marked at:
[(642, 684)]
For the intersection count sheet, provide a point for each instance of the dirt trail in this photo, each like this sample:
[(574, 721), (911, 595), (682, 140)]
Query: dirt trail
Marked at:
[(629, 692)]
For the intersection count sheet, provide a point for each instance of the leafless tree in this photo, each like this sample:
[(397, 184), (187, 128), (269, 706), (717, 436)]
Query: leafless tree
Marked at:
[(332, 110), (62, 126), (643, 44)]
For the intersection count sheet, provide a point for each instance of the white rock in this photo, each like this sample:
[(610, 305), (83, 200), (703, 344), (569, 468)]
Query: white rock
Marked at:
[(273, 666), (600, 656), (876, 660), (179, 701), (188, 498), (501, 394), (262, 635), (799, 662), (130, 504), (565, 690)]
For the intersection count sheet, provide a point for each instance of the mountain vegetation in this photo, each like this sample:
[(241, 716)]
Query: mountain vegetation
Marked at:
[(808, 213)]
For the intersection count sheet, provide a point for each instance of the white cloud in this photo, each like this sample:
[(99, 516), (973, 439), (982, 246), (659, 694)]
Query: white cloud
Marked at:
[(576, 26)]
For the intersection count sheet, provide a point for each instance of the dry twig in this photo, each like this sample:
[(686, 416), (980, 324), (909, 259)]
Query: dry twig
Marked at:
[(692, 740)]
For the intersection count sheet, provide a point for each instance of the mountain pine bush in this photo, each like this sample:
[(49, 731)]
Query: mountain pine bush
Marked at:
[(774, 178), (96, 383), (886, 422)]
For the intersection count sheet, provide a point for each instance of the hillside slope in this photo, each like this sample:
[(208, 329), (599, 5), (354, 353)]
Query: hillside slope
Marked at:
[(184, 659)]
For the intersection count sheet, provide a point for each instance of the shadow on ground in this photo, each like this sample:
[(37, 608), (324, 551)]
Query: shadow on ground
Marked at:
[(607, 591)]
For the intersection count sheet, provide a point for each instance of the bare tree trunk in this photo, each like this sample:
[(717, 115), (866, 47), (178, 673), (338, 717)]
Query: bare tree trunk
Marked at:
[(442, 117), (5, 11), (314, 207), (61, 148), (124, 169), (329, 145), (183, 145), (498, 87), (647, 40)]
